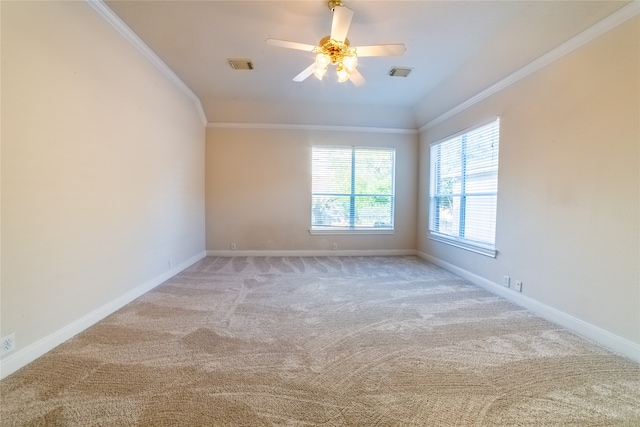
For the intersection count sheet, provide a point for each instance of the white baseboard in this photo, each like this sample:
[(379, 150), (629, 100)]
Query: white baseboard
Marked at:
[(22, 357), (308, 253), (605, 338)]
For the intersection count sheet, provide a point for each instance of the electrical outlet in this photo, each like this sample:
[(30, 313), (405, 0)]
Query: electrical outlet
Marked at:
[(233, 246), (506, 281), (518, 286), (8, 343), (334, 246)]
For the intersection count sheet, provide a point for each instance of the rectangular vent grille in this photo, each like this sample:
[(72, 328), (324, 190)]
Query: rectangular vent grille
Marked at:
[(399, 72), (241, 64)]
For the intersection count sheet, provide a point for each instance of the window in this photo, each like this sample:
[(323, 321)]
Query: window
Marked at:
[(463, 190), (352, 189)]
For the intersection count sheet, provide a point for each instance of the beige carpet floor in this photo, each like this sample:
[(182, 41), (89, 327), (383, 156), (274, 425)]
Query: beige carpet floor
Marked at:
[(352, 341)]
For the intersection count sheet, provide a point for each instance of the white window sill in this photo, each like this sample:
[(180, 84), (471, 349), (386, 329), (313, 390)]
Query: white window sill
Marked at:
[(482, 250), (334, 230)]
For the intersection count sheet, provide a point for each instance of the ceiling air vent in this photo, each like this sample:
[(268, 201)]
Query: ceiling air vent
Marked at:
[(241, 64), (399, 72)]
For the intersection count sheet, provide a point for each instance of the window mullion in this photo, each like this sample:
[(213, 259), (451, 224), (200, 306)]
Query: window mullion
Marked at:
[(463, 186), (352, 199), (438, 177)]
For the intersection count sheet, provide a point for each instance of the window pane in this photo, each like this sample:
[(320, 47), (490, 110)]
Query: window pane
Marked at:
[(480, 218), (485, 182), (448, 215), (331, 170), (374, 211), (330, 211), (374, 171)]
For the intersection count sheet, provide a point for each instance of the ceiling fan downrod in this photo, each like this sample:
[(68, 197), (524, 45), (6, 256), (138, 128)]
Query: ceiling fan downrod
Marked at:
[(333, 4)]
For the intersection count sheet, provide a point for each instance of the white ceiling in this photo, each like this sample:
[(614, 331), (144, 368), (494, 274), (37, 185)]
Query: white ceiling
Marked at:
[(456, 49)]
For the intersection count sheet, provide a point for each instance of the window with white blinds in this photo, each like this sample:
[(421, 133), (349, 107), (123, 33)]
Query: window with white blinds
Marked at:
[(463, 190), (352, 188)]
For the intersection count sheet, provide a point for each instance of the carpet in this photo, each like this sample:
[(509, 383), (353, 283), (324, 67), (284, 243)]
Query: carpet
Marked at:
[(323, 341)]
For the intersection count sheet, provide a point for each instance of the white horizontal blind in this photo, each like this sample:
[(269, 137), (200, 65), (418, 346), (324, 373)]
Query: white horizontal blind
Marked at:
[(463, 191), (352, 188)]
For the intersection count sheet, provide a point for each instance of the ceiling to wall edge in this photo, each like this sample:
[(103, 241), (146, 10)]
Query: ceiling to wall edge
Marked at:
[(610, 22), (129, 35), (287, 126)]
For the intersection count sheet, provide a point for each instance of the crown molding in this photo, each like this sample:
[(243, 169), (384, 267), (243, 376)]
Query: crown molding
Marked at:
[(146, 51), (306, 127), (621, 15), (607, 24)]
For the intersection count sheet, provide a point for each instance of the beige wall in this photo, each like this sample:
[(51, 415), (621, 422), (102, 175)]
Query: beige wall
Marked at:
[(568, 203), (102, 168), (258, 186), (103, 177)]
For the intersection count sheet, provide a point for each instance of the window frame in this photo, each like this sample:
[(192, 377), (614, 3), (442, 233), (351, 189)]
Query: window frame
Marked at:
[(483, 248), (353, 228)]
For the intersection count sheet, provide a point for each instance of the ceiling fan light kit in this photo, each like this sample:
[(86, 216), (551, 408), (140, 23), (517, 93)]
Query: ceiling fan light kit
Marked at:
[(337, 53), (335, 49)]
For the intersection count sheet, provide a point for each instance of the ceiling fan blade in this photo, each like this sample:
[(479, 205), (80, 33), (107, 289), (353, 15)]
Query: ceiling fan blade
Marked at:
[(290, 45), (356, 78), (341, 22), (381, 50), (306, 73)]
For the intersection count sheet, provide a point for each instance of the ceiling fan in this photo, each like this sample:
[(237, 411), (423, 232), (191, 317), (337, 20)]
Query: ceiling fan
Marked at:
[(335, 49)]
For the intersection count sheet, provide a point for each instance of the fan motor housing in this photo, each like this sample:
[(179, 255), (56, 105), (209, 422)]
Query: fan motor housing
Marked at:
[(333, 4), (334, 49)]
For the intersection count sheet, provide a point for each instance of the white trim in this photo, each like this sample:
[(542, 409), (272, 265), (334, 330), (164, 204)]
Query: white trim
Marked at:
[(306, 127), (467, 130), (311, 253), (22, 357), (137, 42), (350, 231), (605, 338), (618, 17), (621, 15), (490, 252)]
